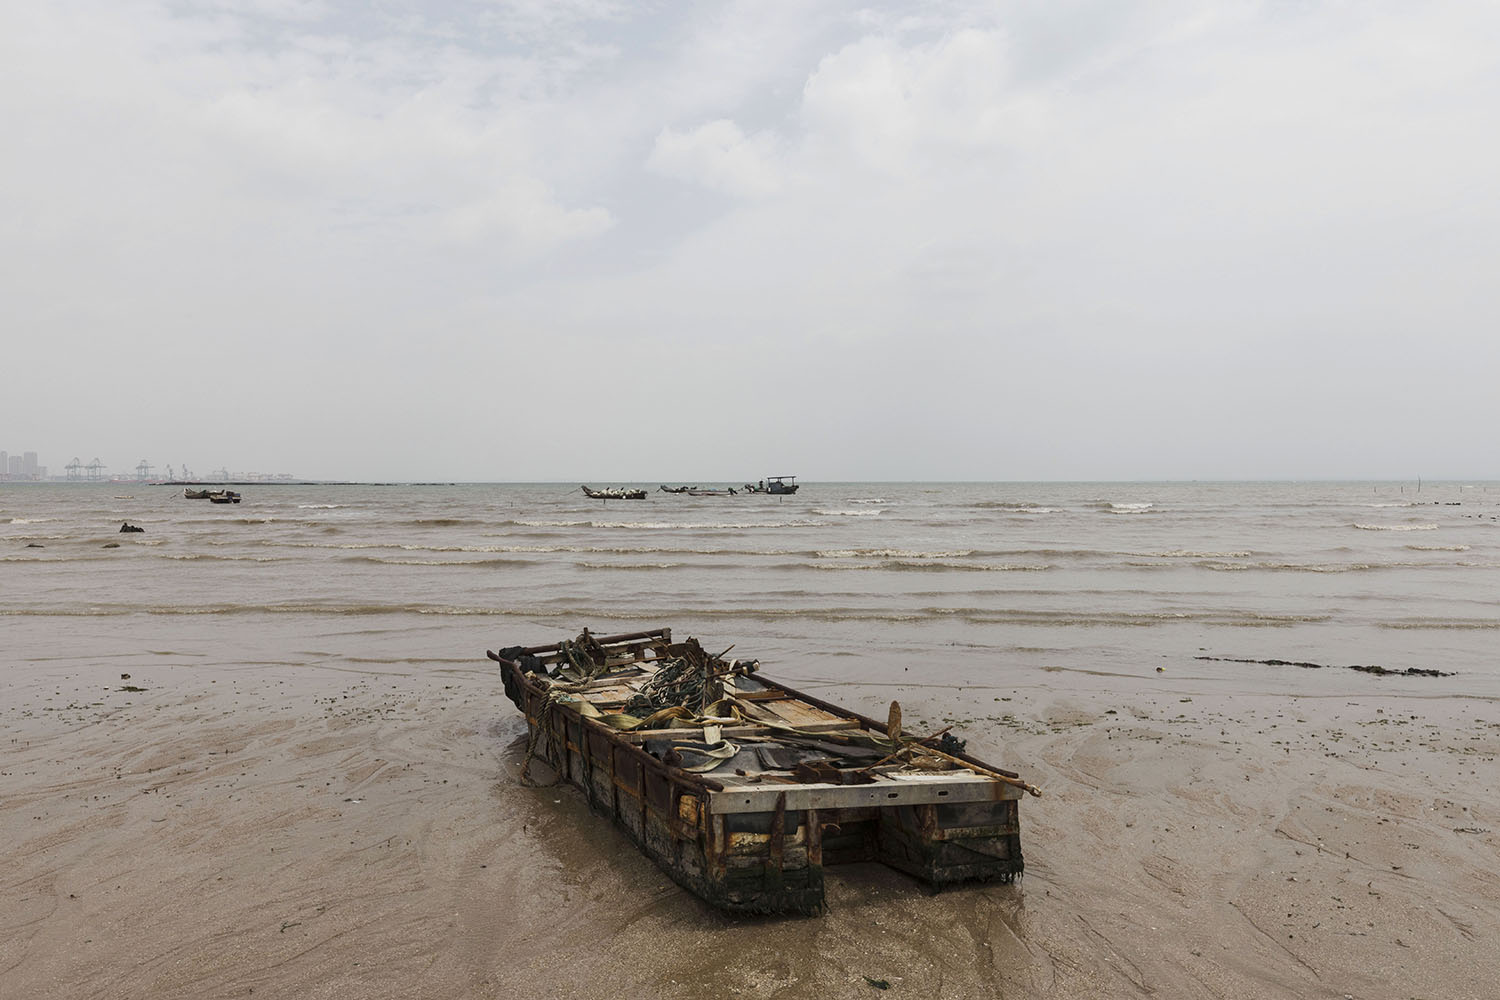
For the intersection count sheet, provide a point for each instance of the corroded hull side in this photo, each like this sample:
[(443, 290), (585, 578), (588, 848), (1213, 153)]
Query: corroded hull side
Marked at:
[(740, 863)]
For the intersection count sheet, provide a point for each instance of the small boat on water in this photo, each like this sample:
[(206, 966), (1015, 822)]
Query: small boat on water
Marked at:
[(614, 493), (743, 790), (776, 485), (212, 496), (698, 491)]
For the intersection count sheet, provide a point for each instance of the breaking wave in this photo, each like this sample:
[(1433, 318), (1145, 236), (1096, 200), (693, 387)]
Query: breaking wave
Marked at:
[(672, 525), (1014, 506), (891, 554), (928, 566), (1191, 554)]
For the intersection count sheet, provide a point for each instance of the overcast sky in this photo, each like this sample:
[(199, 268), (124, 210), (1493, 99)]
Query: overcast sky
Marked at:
[(598, 241)]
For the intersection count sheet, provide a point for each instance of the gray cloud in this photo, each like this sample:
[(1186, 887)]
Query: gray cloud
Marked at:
[(604, 241)]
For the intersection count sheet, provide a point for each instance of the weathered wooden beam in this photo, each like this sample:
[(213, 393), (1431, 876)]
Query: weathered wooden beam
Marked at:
[(689, 735), (932, 789)]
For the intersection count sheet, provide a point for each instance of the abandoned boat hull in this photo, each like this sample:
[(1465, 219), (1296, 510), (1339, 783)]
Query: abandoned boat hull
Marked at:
[(754, 845)]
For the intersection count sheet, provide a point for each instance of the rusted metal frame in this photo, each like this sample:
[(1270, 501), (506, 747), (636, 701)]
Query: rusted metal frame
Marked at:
[(682, 829), (666, 802), (586, 758), (645, 805), (614, 784), (561, 717), (813, 823), (716, 846), (626, 790), (927, 821), (776, 847), (664, 634), (659, 793)]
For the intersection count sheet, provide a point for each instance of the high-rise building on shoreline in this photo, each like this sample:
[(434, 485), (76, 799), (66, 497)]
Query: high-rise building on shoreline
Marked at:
[(21, 468)]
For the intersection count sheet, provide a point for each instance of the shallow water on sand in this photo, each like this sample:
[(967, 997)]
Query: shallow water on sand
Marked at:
[(976, 581)]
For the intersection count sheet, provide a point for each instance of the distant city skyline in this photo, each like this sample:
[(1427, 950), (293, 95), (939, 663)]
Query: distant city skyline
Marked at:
[(21, 467), (26, 467)]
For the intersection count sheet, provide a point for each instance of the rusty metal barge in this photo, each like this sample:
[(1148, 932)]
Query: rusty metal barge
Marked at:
[(743, 790)]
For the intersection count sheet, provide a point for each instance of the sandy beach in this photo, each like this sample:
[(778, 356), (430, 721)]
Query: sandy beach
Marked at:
[(216, 832)]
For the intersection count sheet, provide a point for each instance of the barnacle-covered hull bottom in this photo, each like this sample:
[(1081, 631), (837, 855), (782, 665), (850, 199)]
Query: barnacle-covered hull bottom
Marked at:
[(746, 797)]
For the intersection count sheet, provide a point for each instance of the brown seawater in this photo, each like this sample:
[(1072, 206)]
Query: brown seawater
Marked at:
[(968, 583)]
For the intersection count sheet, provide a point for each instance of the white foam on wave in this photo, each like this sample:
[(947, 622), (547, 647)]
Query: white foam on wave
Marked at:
[(848, 513), (1396, 527), (1191, 554), (1130, 508), (319, 506), (869, 500), (698, 526), (31, 520), (891, 554), (927, 565), (1438, 548), (208, 557)]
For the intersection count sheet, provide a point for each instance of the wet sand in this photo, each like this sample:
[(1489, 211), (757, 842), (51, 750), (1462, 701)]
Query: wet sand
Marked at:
[(285, 831)]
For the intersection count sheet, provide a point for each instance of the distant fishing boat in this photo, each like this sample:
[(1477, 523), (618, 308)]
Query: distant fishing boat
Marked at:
[(777, 485), (212, 496), (698, 491), (614, 493)]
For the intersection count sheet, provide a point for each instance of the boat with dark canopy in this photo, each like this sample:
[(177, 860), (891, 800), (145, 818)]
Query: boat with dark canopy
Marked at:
[(775, 485)]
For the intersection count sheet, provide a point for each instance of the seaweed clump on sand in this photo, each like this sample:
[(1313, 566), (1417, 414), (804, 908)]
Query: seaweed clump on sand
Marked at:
[(1362, 668)]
